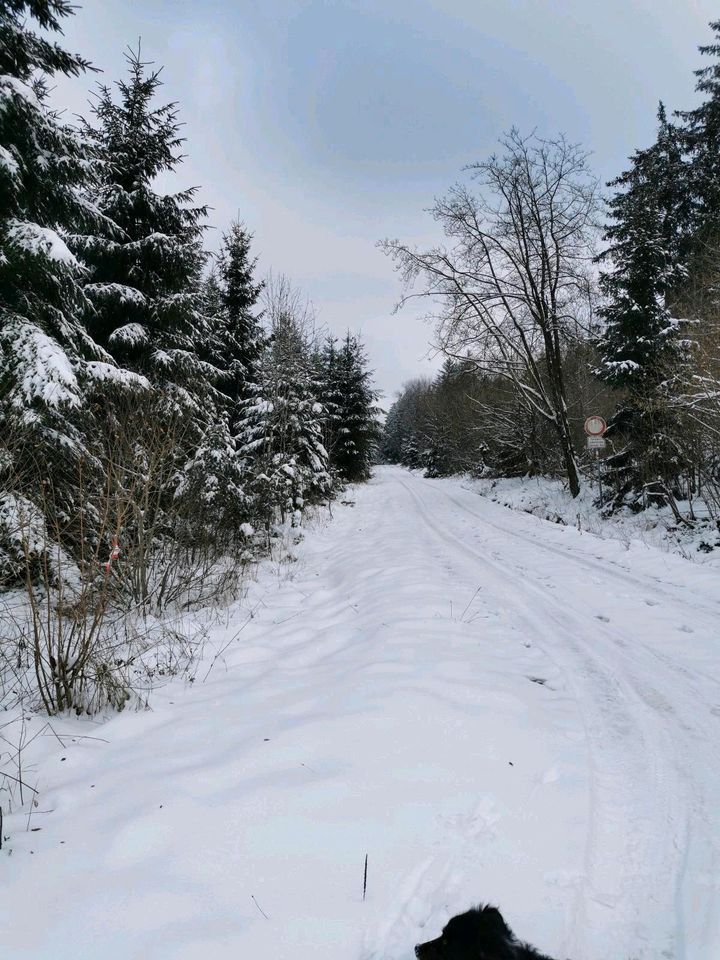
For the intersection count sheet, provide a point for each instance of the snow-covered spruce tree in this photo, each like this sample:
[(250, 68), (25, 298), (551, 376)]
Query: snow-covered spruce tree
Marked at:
[(46, 354), (392, 434), (642, 349), (231, 341), (142, 290), (695, 406), (351, 412), (325, 364), (208, 340), (210, 491), (700, 132), (280, 426), (238, 331), (153, 313), (145, 268)]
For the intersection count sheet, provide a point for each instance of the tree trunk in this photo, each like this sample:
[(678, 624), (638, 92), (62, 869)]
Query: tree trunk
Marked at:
[(568, 451), (557, 387)]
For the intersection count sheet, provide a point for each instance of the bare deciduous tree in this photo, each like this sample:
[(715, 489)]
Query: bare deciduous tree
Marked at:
[(514, 285)]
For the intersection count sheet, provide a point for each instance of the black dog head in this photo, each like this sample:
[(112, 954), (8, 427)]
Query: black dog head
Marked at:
[(479, 934)]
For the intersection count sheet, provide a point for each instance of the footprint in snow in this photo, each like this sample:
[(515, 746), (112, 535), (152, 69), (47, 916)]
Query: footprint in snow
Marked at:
[(684, 628), (601, 616)]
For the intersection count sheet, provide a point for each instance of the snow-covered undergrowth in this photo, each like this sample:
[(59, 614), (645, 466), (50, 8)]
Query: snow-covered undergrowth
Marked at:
[(488, 706), (135, 653), (698, 540)]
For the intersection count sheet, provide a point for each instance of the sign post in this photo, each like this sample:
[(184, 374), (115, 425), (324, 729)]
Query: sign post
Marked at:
[(595, 427)]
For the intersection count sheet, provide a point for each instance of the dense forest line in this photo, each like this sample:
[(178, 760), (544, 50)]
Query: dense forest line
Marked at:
[(165, 414), (553, 302)]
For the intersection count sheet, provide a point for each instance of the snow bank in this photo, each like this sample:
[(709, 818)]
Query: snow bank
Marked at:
[(656, 526)]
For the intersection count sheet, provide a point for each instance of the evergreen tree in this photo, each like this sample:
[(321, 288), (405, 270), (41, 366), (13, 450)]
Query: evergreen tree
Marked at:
[(392, 434), (701, 134), (145, 267), (239, 332), (42, 165), (642, 348), (208, 334), (640, 344), (209, 490), (46, 354), (351, 414), (327, 376), (280, 431)]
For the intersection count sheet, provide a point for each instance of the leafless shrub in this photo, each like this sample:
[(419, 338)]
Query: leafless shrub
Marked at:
[(82, 632), (172, 552)]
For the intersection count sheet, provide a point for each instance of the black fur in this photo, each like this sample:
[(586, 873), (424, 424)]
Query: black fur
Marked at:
[(479, 934)]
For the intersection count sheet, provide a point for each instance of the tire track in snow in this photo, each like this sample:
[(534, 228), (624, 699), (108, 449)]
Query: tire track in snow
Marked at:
[(647, 809), (661, 589)]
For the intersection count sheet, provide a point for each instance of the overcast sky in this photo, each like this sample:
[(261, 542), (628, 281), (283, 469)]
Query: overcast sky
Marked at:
[(329, 124)]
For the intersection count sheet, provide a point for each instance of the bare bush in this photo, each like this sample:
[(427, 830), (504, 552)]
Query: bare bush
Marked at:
[(79, 630)]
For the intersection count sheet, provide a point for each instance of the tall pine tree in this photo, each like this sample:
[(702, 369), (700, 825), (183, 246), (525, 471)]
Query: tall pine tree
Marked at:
[(46, 354), (232, 338), (642, 348), (280, 430), (145, 268), (701, 136), (242, 334), (351, 414)]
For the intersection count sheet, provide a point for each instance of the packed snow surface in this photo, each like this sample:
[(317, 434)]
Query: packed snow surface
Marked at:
[(490, 706)]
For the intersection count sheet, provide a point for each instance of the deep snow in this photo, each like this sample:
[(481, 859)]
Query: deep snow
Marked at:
[(492, 707)]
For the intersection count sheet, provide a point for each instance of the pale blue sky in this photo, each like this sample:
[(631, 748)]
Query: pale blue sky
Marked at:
[(330, 124)]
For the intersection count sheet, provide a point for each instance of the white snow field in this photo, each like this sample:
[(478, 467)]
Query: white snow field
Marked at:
[(490, 706)]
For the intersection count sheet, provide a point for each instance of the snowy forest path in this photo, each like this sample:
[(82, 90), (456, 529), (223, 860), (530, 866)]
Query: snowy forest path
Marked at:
[(490, 706), (651, 718)]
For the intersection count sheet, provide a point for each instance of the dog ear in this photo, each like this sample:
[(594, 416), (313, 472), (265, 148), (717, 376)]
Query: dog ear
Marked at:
[(495, 938), (494, 923)]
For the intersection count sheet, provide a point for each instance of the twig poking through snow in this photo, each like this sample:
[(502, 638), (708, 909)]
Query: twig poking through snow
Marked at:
[(259, 907), (469, 604), (232, 639), (365, 877)]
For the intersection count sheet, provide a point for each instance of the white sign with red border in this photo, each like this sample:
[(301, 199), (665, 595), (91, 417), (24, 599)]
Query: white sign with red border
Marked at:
[(595, 426)]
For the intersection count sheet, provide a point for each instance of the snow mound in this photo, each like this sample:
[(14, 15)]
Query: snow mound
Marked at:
[(655, 526)]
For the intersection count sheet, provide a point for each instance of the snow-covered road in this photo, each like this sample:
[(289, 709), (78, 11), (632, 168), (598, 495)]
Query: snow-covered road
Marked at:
[(489, 706)]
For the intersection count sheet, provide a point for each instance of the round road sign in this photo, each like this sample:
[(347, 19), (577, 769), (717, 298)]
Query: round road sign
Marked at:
[(595, 426)]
